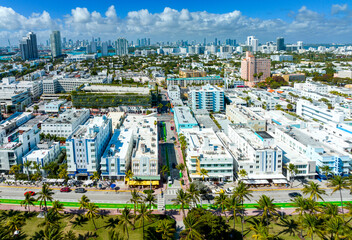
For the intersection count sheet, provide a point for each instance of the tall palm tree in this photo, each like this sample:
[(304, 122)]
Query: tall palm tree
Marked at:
[(45, 195), (166, 229), (261, 231), (181, 167), (234, 204), (313, 206), (335, 227), (289, 226), (95, 177), (151, 200), (15, 223), (242, 173), (242, 192), (325, 169), (27, 165), (292, 170), (135, 199), (221, 201), (183, 199), (28, 201), (204, 173), (314, 191), (57, 206), (268, 208), (83, 202), (50, 232), (193, 193), (15, 169), (125, 220), (191, 228), (338, 183), (92, 212), (311, 224), (129, 175), (164, 169), (301, 206), (144, 215)]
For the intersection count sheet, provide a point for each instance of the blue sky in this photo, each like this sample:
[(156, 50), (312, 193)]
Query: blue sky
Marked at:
[(164, 20)]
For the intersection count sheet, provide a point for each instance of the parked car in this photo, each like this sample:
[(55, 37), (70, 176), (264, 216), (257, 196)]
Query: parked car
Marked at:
[(80, 190), (294, 194), (65, 189), (207, 197), (173, 165), (30, 193), (169, 180)]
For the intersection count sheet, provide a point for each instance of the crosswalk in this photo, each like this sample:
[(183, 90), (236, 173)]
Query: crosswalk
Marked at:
[(161, 202), (171, 191)]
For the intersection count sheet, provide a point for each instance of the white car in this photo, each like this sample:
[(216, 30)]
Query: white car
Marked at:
[(229, 190)]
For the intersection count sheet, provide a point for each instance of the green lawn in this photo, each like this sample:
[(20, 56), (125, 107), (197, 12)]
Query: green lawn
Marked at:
[(31, 226)]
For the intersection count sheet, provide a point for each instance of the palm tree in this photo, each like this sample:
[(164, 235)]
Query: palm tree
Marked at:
[(289, 226), (27, 165), (15, 169), (160, 106), (338, 183), (193, 193), (301, 206), (242, 173), (164, 169), (221, 201), (144, 215), (50, 232), (28, 201), (191, 228), (311, 224), (313, 206), (166, 229), (261, 231), (242, 192), (92, 212), (83, 202), (45, 195), (181, 167), (335, 227), (95, 177), (57, 206), (151, 200), (15, 223), (234, 204), (268, 208), (129, 175), (125, 220), (203, 173), (183, 199), (136, 199), (292, 170), (313, 190), (325, 169)]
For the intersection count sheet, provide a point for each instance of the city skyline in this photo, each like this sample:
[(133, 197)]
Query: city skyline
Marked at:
[(170, 22)]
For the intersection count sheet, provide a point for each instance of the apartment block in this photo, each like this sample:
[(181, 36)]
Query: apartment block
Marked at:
[(85, 147), (207, 97), (184, 73), (66, 123), (252, 67), (206, 151), (319, 113), (241, 115), (184, 82), (184, 119)]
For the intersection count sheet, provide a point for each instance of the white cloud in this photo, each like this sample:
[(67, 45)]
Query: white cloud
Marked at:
[(171, 24)]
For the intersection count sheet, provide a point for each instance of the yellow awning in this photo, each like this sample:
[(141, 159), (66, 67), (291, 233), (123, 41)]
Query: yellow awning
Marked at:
[(143, 183)]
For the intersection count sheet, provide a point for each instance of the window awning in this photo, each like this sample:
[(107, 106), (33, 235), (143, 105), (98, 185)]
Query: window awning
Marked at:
[(143, 183), (255, 181), (280, 181)]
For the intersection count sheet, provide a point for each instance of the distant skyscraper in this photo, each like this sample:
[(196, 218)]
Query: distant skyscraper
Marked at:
[(280, 44), (104, 49), (205, 41), (121, 47), (249, 40), (55, 42), (28, 46), (255, 44), (92, 47), (148, 41), (216, 41)]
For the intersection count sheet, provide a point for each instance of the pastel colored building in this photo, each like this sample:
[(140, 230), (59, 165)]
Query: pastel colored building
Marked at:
[(251, 67)]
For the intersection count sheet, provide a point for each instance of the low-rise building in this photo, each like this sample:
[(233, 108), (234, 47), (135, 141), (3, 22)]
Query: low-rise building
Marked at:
[(14, 100), (318, 113), (174, 92), (53, 106), (246, 116), (206, 151), (66, 123), (184, 119), (183, 82)]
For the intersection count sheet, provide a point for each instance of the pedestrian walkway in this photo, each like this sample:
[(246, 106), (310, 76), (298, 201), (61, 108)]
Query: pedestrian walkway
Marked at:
[(161, 202), (171, 191)]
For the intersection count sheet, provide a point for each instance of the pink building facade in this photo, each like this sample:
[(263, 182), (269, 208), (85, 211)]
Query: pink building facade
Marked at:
[(251, 66)]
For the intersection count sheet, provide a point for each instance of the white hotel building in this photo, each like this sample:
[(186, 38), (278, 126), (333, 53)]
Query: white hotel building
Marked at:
[(310, 111), (66, 123), (205, 150), (85, 147)]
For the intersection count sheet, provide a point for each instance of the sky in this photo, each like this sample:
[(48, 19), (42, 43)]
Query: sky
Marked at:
[(314, 21)]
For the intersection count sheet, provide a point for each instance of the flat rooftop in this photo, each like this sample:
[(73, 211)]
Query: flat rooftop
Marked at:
[(184, 116), (264, 135), (67, 117)]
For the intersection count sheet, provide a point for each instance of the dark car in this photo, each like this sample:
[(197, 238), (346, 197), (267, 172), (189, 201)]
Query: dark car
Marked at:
[(294, 194), (173, 165), (80, 190), (30, 193), (207, 197), (65, 189)]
